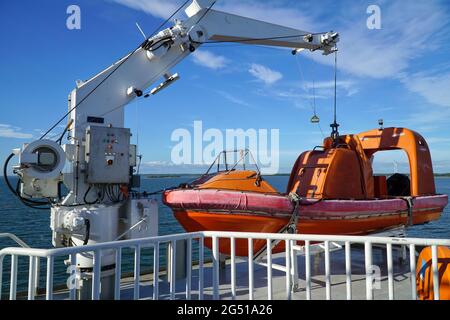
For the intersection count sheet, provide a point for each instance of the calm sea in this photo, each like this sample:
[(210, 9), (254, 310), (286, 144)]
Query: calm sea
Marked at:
[(32, 226)]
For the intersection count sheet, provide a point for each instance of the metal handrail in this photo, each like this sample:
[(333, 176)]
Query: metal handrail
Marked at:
[(14, 238), (23, 244), (290, 261)]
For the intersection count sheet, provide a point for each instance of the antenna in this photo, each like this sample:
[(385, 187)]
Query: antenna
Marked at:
[(140, 30), (334, 126)]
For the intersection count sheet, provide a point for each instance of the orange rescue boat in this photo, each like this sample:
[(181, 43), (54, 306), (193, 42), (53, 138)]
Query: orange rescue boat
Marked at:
[(331, 190)]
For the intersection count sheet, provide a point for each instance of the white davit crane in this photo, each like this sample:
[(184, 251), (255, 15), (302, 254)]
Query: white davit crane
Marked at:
[(98, 161)]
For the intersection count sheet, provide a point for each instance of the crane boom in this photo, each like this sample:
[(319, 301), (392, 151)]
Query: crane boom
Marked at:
[(160, 53)]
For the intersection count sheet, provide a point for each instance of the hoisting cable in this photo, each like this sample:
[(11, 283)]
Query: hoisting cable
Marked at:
[(335, 126), (308, 90), (112, 72)]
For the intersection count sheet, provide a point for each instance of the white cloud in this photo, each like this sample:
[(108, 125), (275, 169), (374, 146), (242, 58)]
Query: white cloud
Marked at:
[(209, 59), (435, 88), (326, 88), (264, 74), (408, 32), (8, 131), (159, 9), (272, 12), (233, 98)]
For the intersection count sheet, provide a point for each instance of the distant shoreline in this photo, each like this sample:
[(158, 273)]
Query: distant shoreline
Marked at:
[(178, 175)]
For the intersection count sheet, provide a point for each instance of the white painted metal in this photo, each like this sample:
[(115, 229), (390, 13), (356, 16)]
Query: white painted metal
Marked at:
[(250, 269), (201, 257), (49, 282), (412, 264), (434, 259), (288, 268), (73, 263), (96, 275), (308, 269), (369, 270), (156, 271), (327, 270), (173, 255), (188, 269), (269, 269), (118, 274), (390, 268), (348, 269), (233, 267), (215, 249), (137, 271), (13, 281), (155, 242), (32, 277)]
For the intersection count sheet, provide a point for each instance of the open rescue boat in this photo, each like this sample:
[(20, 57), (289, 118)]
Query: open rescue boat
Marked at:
[(331, 190)]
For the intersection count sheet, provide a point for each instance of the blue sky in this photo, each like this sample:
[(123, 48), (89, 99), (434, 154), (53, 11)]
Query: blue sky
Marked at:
[(400, 73)]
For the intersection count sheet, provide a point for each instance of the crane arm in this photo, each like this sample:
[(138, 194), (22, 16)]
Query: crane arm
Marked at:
[(104, 95)]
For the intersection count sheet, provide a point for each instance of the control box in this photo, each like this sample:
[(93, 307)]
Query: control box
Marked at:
[(107, 155)]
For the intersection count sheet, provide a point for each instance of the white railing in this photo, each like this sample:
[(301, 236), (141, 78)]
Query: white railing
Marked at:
[(23, 244), (290, 263)]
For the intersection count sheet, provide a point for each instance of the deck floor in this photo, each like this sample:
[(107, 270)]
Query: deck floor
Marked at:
[(402, 282)]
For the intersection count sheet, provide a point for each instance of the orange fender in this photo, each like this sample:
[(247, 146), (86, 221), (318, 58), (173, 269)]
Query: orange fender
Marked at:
[(424, 274)]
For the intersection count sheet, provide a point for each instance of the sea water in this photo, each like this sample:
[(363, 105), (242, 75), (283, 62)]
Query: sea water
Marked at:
[(33, 226)]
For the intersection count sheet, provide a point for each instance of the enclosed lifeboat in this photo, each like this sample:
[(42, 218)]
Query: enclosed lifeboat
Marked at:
[(331, 190)]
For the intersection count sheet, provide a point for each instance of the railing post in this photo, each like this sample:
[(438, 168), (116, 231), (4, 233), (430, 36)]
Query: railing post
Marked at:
[(37, 275), (1, 275), (269, 269), (156, 271), (173, 256), (31, 278), (13, 282), (327, 270), (434, 263), (250, 269), (348, 270), (412, 265), (233, 267), (369, 271), (308, 270), (137, 272), (49, 280), (96, 275), (215, 247), (390, 270), (73, 273), (288, 269), (201, 257), (188, 269), (118, 274)]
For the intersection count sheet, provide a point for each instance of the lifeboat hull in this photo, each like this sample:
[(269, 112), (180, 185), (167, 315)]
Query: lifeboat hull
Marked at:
[(224, 210)]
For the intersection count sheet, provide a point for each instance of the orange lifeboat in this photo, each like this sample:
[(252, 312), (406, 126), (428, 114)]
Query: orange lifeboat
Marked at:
[(424, 274), (330, 191)]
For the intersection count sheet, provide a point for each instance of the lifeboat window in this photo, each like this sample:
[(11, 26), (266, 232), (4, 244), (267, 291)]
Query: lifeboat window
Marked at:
[(393, 167)]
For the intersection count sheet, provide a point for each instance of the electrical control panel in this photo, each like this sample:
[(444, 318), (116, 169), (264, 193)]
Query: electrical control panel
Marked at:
[(107, 155)]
